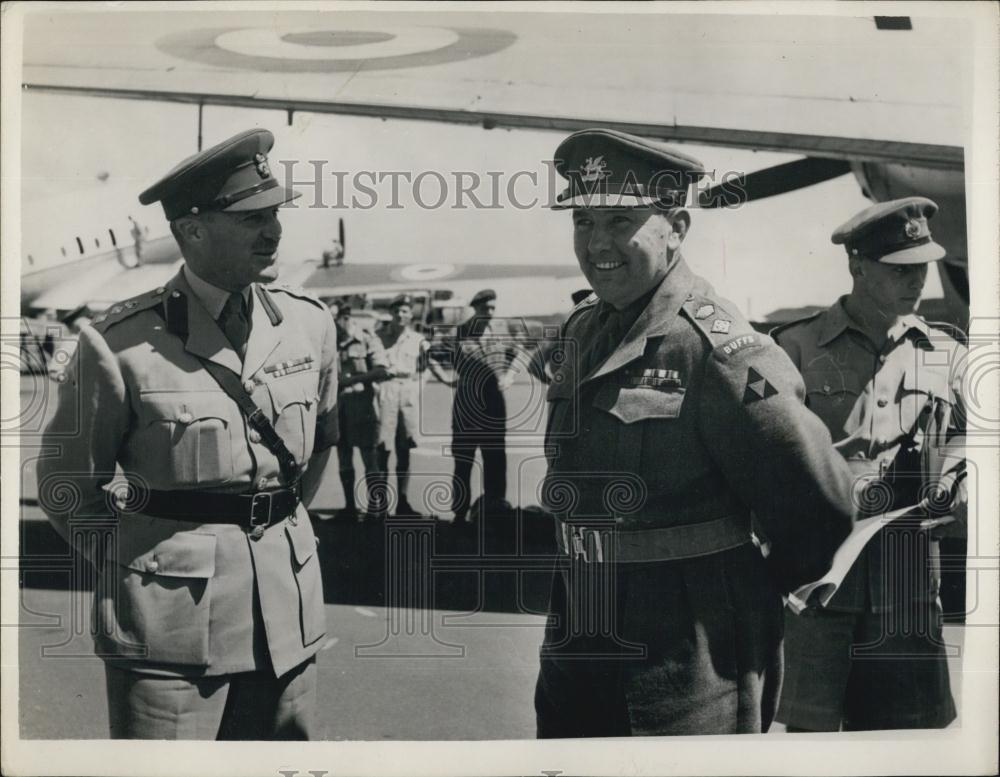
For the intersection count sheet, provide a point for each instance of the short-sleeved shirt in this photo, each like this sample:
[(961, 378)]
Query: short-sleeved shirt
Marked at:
[(871, 400), (406, 354)]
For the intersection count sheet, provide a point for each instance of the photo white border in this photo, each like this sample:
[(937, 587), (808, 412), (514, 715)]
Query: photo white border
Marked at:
[(970, 749)]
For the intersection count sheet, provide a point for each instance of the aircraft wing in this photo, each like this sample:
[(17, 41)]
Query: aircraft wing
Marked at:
[(104, 284), (826, 87), (379, 277)]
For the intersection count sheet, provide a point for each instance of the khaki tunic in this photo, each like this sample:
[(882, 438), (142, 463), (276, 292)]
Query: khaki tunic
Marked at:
[(184, 597), (691, 423)]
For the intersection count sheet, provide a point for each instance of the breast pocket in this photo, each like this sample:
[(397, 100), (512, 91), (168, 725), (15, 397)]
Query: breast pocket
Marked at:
[(644, 435), (631, 405), (919, 385), (185, 436), (294, 398), (832, 394)]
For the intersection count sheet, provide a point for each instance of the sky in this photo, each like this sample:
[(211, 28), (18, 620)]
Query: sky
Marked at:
[(770, 254)]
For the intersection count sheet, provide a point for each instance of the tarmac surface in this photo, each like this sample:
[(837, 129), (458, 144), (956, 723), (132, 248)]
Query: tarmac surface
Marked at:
[(454, 657)]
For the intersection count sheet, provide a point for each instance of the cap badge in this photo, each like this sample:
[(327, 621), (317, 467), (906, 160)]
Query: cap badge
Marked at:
[(594, 169), (262, 169), (912, 229)]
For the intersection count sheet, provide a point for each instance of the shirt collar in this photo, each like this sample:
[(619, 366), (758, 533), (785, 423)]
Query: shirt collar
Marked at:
[(908, 323), (836, 321), (212, 298)]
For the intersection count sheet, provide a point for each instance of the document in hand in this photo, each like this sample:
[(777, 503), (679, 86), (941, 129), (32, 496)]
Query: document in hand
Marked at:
[(943, 465), (821, 591)]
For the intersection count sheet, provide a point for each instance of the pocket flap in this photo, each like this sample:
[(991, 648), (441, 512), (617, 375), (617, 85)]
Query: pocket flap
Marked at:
[(299, 388), (301, 538), (832, 381), (641, 403), (183, 554), (183, 407)]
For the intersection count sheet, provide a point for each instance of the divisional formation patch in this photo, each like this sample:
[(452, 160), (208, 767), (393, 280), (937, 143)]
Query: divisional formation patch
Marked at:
[(757, 388)]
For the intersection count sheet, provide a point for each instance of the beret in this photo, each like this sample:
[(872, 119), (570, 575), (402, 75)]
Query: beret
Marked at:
[(483, 296)]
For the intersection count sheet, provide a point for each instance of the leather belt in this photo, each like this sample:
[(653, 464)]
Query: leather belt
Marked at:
[(257, 510), (598, 543)]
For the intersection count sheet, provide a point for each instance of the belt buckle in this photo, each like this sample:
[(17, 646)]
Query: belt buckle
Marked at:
[(578, 549), (258, 524)]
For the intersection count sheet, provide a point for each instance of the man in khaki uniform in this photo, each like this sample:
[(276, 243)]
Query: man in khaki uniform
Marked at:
[(671, 424), (362, 365), (209, 608), (874, 657), (406, 354)]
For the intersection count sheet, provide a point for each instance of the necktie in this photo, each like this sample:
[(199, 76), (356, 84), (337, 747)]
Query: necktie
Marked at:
[(234, 322)]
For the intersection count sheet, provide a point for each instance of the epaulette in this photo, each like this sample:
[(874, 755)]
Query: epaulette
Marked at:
[(585, 304), (298, 293), (716, 324), (956, 333), (122, 310), (789, 324)]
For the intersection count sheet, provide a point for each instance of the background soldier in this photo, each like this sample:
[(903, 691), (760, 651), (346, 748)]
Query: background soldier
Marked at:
[(209, 607), (676, 421), (406, 354), (874, 373), (483, 352), (362, 364)]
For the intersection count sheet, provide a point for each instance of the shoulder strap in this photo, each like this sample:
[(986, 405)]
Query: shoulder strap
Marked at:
[(230, 383)]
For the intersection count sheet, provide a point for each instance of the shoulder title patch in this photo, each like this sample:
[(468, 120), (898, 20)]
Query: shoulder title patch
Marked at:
[(737, 343)]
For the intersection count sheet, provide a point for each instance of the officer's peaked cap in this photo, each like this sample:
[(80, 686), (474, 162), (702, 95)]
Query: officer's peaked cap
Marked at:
[(231, 176), (893, 232), (606, 168)]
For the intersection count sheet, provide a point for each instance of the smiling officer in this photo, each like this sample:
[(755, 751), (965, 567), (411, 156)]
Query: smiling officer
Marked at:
[(670, 420), (216, 395), (874, 657)]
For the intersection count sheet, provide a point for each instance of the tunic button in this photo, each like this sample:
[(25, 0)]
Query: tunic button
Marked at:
[(254, 435), (882, 402), (248, 387), (881, 358), (161, 289), (153, 566), (826, 388), (185, 418)]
